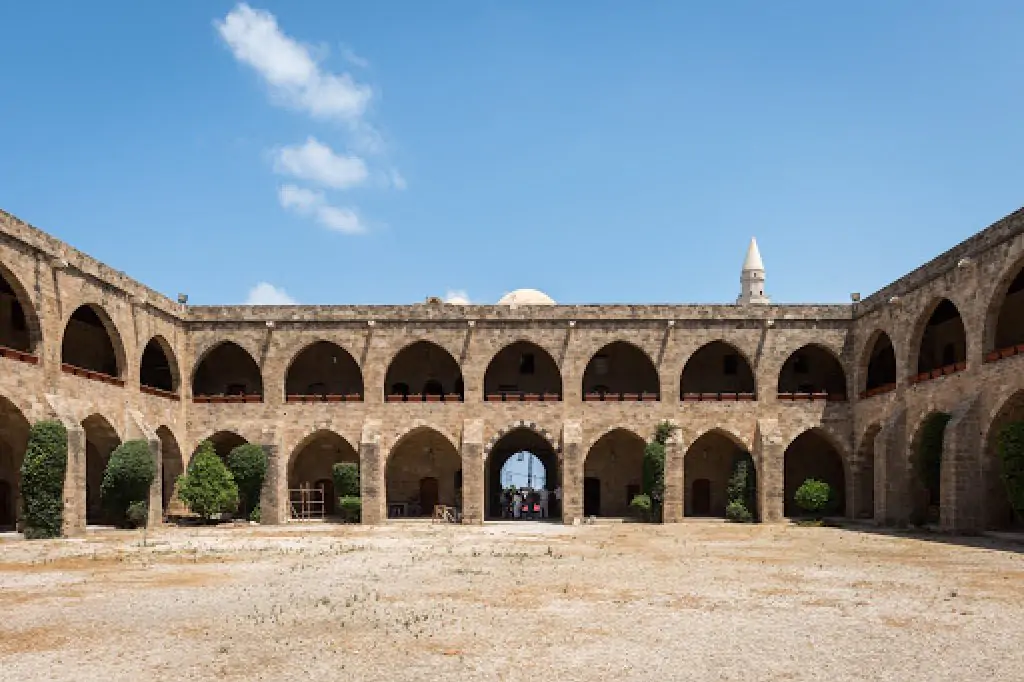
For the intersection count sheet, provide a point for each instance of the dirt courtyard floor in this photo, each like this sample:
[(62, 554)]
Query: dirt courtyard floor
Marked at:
[(694, 601)]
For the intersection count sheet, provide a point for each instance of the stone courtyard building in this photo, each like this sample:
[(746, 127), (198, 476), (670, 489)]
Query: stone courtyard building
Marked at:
[(432, 399)]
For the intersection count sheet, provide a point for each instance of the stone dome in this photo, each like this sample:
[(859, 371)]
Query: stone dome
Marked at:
[(526, 297)]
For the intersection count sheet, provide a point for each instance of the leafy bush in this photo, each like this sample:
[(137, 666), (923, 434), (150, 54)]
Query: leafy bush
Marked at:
[(742, 486), (929, 450), (42, 479), (137, 514), (654, 468), (126, 480), (813, 495), (346, 479), (255, 514), (248, 466), (351, 508), (640, 505), (1010, 446), (737, 512), (208, 487)]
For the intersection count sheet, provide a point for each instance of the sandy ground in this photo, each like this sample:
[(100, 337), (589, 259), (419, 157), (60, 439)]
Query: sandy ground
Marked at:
[(697, 601)]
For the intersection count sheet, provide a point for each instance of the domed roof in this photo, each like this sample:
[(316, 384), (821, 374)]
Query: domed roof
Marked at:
[(526, 297)]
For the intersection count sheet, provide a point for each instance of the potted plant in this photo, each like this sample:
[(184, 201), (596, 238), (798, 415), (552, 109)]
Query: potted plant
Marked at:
[(631, 397), (612, 397), (649, 397), (492, 398), (452, 398), (354, 398), (550, 397), (395, 397), (592, 397), (531, 397)]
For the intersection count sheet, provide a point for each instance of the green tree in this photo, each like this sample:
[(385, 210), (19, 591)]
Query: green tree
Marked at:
[(1010, 446), (208, 487), (813, 496), (654, 468), (351, 508), (42, 479), (248, 466), (126, 481), (741, 491), (346, 479)]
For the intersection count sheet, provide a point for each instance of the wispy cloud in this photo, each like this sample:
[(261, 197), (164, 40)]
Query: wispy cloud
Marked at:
[(352, 58), (267, 294), (456, 297), (316, 162), (308, 203)]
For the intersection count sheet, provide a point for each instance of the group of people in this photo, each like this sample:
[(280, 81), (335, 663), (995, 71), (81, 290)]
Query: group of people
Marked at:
[(526, 503)]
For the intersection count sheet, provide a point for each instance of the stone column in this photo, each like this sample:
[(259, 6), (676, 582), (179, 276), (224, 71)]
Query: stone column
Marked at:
[(675, 487), (892, 495), (274, 507), (572, 471), (960, 488), (769, 456), (138, 428), (73, 521), (372, 486), (473, 471)]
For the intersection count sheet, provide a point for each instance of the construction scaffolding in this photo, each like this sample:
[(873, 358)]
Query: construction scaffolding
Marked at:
[(307, 503)]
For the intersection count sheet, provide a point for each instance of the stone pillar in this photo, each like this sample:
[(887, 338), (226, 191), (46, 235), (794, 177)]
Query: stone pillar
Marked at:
[(473, 471), (675, 487), (274, 507), (572, 470), (769, 456), (372, 485), (137, 428), (73, 521), (960, 482), (892, 494)]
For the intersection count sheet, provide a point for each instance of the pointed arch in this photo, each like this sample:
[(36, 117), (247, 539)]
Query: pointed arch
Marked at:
[(997, 512), (715, 370), (878, 364), (423, 469), (812, 370), (323, 370), (423, 370), (939, 344), (520, 437), (1004, 321), (707, 467), (522, 368), (816, 454), (91, 342), (19, 322), (158, 367), (613, 473), (311, 464), (621, 370), (227, 369), (14, 429), (223, 442)]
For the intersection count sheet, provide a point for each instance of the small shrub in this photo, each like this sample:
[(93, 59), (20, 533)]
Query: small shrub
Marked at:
[(126, 480), (737, 512), (351, 509), (640, 506), (248, 466), (208, 487), (742, 486), (346, 479), (813, 495), (137, 514), (255, 514), (654, 468), (1010, 447), (42, 479)]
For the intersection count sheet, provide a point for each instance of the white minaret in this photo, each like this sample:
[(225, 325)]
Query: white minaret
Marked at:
[(752, 278)]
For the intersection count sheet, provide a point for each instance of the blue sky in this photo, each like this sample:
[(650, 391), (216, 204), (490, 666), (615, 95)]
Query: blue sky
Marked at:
[(600, 151)]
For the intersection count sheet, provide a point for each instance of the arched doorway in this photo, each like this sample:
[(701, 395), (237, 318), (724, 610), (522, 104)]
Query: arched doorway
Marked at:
[(312, 465), (171, 467), (526, 461), (423, 469), (813, 371), (620, 371), (423, 369), (91, 342), (324, 369), (615, 468), (522, 369), (864, 483), (926, 468), (812, 455), (880, 373), (14, 430), (707, 466), (997, 512), (943, 342), (157, 370), (227, 370), (715, 370), (1006, 326), (100, 441), (19, 326)]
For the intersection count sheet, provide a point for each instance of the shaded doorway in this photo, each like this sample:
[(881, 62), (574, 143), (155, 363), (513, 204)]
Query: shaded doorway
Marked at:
[(429, 492), (522, 461), (422, 454), (591, 496), (312, 465), (812, 455), (701, 493), (616, 462)]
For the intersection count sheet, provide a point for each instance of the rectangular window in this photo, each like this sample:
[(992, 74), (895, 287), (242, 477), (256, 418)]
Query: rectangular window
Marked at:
[(526, 363), (729, 363)]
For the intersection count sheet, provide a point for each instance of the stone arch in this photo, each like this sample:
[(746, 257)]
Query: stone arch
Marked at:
[(311, 464), (707, 466), (223, 442), (100, 440), (522, 368), (91, 341), (813, 369), (619, 370), (521, 436), (1004, 323), (172, 465), (939, 342), (14, 430), (19, 322), (878, 364), (421, 369), (158, 367), (863, 503), (997, 513), (323, 369), (717, 368), (227, 369), (423, 468), (613, 473), (815, 453)]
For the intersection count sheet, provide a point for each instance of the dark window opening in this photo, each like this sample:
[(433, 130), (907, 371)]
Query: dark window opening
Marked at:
[(526, 363), (401, 389), (801, 365), (319, 388), (433, 387), (155, 370), (236, 389), (18, 322), (730, 364), (948, 354)]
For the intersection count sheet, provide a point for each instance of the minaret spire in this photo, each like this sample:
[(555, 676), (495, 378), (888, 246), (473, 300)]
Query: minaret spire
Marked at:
[(752, 278)]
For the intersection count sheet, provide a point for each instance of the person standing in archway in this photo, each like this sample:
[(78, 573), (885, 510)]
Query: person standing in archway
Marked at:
[(517, 505)]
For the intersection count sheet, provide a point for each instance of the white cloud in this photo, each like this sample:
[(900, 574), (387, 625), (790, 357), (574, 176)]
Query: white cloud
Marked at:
[(456, 297), (267, 294), (352, 58), (316, 162), (398, 180), (308, 203), (290, 68)]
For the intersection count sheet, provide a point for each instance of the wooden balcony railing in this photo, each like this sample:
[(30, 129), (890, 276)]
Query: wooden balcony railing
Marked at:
[(1001, 353), (422, 398), (620, 397), (91, 374), (877, 390), (517, 397), (19, 355), (818, 395), (159, 392), (939, 372), (323, 398), (219, 399), (717, 397)]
